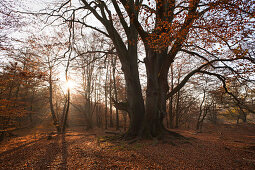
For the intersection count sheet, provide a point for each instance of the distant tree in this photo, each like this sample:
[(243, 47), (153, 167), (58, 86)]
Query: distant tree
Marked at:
[(51, 52), (20, 82), (89, 65), (231, 109)]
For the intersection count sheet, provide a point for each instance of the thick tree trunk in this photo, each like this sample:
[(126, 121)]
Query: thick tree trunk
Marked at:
[(88, 113), (135, 100), (135, 104), (157, 88), (237, 120), (128, 58), (125, 121), (243, 116), (244, 119)]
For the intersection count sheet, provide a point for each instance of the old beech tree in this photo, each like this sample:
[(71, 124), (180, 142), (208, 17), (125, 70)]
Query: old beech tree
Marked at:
[(209, 30)]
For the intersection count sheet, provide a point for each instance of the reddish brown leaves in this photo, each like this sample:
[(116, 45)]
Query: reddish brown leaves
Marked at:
[(225, 146)]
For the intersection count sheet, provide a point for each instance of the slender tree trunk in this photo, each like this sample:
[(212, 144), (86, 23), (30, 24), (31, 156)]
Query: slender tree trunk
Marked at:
[(68, 97), (66, 111), (89, 89), (55, 121), (96, 104), (11, 86), (106, 95), (177, 109), (110, 93), (206, 109), (31, 105), (213, 113), (125, 121), (200, 113), (171, 113), (115, 90)]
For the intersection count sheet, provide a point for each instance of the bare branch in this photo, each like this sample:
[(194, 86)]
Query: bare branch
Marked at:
[(222, 79)]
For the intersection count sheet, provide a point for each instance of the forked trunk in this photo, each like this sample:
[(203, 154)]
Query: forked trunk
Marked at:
[(157, 88)]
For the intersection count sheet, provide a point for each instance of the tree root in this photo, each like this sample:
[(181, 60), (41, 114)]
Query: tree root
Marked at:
[(113, 133), (134, 140)]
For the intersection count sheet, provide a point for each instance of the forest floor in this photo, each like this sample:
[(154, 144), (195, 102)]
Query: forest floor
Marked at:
[(221, 147)]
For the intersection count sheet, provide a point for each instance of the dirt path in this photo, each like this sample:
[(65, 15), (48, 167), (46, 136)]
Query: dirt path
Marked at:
[(84, 150)]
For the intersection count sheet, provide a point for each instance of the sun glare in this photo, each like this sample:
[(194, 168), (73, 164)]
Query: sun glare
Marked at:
[(69, 84)]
